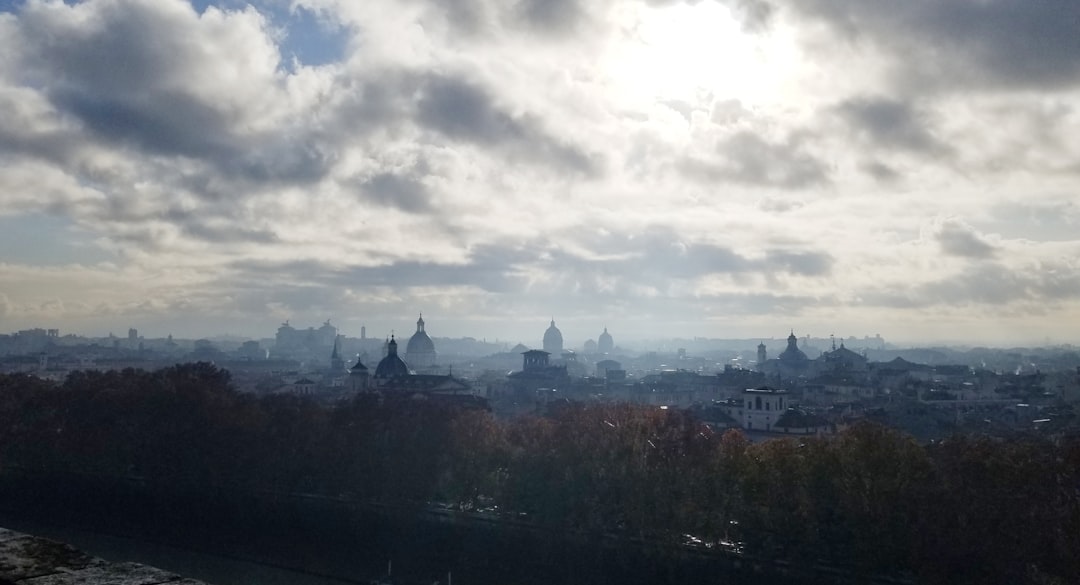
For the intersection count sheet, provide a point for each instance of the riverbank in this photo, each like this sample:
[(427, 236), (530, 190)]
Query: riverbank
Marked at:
[(345, 541)]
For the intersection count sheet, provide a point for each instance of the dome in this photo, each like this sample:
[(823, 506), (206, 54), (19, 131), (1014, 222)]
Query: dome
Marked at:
[(792, 353), (605, 343), (391, 366), (553, 342), (420, 350), (420, 342)]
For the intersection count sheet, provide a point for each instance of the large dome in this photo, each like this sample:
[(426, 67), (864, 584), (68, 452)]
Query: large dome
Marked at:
[(553, 342), (606, 344), (421, 350), (391, 366), (420, 342), (792, 353)]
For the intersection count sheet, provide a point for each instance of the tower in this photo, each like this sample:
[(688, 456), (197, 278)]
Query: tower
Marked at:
[(358, 377), (336, 363), (762, 355)]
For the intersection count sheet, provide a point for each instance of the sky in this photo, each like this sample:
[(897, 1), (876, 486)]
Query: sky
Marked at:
[(664, 168)]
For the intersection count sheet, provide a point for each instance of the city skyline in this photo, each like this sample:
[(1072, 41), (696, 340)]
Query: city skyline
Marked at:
[(576, 336), (717, 169)]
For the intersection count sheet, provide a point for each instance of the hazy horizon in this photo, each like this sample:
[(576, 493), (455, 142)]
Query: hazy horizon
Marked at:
[(667, 168), (574, 335)]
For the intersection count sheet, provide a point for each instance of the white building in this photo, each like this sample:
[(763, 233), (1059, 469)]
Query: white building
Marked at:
[(762, 407)]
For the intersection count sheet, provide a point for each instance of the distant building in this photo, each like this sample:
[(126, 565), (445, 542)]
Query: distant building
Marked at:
[(537, 373), (391, 366), (553, 340), (763, 406), (420, 351), (605, 344), (792, 355), (393, 376), (312, 342), (791, 363), (359, 377), (603, 366)]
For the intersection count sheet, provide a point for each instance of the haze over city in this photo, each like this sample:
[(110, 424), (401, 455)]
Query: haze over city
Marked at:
[(729, 169)]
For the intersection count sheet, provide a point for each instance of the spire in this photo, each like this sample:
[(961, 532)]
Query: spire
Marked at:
[(420, 324), (334, 354)]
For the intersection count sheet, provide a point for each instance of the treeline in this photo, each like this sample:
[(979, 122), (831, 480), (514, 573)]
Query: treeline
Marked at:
[(965, 510)]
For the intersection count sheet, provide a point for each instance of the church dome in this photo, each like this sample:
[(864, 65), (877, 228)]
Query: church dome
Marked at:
[(605, 343), (792, 353), (391, 366), (420, 342), (553, 342), (420, 350)]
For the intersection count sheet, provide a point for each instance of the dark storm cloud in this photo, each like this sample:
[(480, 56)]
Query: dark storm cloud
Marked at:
[(464, 111), (957, 239), (1004, 43), (750, 159), (890, 124)]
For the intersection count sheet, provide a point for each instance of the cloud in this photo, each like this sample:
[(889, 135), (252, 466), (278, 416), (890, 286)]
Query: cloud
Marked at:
[(464, 111), (403, 192), (959, 239), (1034, 287), (891, 124), (748, 158), (1001, 44), (497, 158)]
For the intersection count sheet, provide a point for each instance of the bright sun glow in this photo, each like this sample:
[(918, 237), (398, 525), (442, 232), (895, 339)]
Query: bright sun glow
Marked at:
[(683, 51)]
